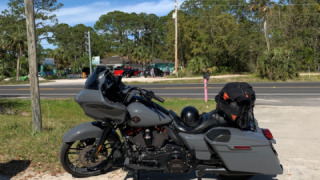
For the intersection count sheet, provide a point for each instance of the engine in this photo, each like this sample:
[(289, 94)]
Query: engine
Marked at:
[(154, 137), (151, 147)]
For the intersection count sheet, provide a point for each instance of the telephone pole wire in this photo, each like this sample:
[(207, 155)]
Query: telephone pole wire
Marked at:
[(176, 39)]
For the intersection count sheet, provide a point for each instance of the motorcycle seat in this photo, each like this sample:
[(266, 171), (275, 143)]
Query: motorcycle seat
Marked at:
[(206, 122)]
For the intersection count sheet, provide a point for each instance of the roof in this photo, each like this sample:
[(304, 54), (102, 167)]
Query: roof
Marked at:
[(113, 60), (119, 60), (157, 60)]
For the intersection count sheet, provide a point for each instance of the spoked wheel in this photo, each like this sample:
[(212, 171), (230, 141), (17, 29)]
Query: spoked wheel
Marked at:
[(75, 157)]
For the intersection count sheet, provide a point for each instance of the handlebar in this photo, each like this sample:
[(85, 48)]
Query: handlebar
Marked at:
[(152, 95), (147, 94)]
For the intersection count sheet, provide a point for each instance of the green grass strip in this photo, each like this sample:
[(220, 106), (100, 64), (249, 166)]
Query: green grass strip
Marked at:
[(58, 116)]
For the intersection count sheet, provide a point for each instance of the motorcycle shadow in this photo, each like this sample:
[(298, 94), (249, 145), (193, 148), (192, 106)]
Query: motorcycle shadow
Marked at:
[(192, 176), (12, 168)]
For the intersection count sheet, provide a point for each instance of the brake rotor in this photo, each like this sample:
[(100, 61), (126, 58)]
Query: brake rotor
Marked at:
[(85, 157)]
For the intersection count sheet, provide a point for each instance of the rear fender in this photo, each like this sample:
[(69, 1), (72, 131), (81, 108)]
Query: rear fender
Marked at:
[(85, 131)]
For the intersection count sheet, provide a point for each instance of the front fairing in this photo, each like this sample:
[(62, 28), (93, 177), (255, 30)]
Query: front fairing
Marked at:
[(93, 98)]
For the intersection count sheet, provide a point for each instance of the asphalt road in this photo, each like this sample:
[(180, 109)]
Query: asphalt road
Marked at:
[(267, 93)]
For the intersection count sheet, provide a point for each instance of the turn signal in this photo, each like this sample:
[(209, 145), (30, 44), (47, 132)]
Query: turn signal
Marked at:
[(267, 133)]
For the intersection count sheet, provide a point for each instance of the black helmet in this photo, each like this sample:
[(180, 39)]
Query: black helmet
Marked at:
[(189, 115), (236, 113)]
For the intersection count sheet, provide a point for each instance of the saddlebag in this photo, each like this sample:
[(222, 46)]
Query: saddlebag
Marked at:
[(244, 151)]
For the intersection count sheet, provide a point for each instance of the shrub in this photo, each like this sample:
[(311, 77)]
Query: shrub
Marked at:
[(278, 64), (197, 65)]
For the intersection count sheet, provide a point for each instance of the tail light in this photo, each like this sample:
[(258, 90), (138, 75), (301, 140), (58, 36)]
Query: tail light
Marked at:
[(267, 133)]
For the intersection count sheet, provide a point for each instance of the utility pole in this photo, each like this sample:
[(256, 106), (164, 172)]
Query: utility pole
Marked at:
[(88, 48), (176, 39), (32, 56)]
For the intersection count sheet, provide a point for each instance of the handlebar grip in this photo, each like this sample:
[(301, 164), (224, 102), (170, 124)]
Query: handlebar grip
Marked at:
[(159, 99), (150, 95)]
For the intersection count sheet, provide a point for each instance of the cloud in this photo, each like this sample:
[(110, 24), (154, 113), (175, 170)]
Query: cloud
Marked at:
[(160, 8), (86, 14), (89, 14)]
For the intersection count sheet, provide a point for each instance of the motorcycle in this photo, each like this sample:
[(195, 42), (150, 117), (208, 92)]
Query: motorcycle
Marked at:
[(133, 132)]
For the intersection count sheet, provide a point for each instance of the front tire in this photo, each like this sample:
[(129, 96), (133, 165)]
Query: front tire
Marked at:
[(74, 157)]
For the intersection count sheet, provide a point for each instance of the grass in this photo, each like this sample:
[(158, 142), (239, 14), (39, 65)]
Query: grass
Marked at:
[(18, 143)]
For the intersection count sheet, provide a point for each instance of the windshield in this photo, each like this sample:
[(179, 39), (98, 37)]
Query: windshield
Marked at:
[(93, 81)]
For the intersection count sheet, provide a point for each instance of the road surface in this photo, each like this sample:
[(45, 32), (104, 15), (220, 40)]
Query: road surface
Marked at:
[(267, 93)]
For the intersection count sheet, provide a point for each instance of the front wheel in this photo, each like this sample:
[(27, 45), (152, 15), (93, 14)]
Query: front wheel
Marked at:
[(75, 157)]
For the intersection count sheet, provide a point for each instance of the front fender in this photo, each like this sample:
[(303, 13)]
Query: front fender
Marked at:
[(83, 131)]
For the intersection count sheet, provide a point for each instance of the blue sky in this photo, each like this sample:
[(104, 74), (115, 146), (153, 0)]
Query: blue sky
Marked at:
[(88, 11)]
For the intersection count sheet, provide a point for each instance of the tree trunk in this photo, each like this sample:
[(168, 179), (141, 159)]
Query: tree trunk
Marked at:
[(32, 55), (152, 49), (314, 54), (18, 65), (265, 27), (2, 67)]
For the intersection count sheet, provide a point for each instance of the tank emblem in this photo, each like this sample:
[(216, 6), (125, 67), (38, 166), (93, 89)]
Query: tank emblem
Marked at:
[(136, 119)]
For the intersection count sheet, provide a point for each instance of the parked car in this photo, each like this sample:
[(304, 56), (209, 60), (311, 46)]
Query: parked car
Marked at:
[(157, 72), (118, 71), (129, 71)]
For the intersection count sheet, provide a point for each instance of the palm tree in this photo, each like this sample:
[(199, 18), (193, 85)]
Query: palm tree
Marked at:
[(16, 42), (60, 56), (262, 7)]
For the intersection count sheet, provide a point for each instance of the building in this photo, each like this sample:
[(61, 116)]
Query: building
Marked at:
[(162, 64), (114, 61), (117, 61)]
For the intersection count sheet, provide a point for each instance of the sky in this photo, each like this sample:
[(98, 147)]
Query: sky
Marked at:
[(87, 12)]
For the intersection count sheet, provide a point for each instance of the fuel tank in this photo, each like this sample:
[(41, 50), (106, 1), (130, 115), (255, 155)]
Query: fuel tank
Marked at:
[(144, 115)]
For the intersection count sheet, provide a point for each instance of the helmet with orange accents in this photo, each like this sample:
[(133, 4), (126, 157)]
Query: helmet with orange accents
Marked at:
[(235, 103)]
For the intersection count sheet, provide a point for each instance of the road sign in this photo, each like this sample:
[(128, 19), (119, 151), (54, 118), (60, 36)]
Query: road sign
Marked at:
[(48, 61), (96, 60)]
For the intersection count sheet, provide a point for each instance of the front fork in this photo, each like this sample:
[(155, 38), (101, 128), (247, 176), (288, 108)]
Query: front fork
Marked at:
[(106, 131)]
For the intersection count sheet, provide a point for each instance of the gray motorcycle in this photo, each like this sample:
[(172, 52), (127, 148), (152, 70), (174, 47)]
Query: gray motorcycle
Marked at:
[(133, 132)]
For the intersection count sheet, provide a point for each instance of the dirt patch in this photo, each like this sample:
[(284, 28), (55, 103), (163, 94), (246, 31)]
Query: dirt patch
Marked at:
[(25, 114), (9, 111), (32, 174)]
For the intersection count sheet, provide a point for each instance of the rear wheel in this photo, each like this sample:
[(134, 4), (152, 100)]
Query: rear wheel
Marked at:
[(75, 157)]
